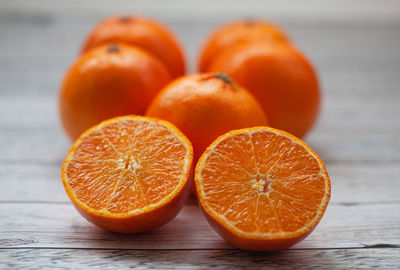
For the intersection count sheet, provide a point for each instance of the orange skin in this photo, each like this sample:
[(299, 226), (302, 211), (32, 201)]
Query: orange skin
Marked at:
[(235, 33), (280, 77), (141, 32), (111, 80), (205, 106), (254, 244)]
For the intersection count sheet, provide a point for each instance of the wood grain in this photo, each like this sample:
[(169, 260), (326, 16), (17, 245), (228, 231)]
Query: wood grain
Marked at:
[(386, 258), (28, 225), (354, 46), (353, 183), (311, 11), (51, 146)]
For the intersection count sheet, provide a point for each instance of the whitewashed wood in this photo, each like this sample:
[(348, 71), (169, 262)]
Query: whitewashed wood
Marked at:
[(354, 46), (341, 112), (184, 11), (51, 146), (372, 50), (386, 258), (32, 183), (366, 46), (357, 183), (28, 225), (33, 145), (365, 183), (374, 84)]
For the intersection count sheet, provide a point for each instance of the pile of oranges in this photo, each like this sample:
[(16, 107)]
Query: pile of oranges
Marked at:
[(145, 132)]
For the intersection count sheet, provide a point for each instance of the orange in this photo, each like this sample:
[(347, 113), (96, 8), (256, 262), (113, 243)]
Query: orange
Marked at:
[(205, 106), (111, 80), (280, 77), (234, 33), (129, 174), (142, 32), (261, 188)]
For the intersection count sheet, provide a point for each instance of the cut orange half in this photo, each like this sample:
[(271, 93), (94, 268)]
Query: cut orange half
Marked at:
[(262, 188), (129, 174)]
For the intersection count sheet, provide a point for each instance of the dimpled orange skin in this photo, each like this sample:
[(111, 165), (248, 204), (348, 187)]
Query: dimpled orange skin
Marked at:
[(204, 107), (234, 33), (111, 80), (142, 32), (280, 77)]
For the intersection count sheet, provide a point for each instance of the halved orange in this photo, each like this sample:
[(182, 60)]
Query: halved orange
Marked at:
[(261, 188), (129, 174)]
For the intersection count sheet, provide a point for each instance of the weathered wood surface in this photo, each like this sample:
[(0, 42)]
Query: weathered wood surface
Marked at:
[(353, 44), (361, 183), (34, 225), (383, 258)]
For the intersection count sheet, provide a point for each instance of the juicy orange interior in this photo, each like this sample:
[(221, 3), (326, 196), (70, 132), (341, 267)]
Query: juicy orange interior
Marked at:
[(262, 182), (126, 165)]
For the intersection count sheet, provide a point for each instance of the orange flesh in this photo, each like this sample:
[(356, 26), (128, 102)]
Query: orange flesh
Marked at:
[(262, 182), (126, 165)]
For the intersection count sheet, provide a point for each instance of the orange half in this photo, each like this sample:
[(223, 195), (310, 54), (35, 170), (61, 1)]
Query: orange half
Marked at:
[(262, 188), (129, 174)]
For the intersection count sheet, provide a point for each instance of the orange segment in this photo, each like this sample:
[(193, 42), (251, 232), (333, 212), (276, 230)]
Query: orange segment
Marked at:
[(261, 188), (129, 169)]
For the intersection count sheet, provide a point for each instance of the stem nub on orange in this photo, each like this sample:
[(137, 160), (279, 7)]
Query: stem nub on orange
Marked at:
[(141, 32), (129, 174), (261, 188), (109, 81)]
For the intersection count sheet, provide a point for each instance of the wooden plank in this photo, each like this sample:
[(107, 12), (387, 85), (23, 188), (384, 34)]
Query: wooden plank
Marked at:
[(351, 183), (362, 146), (356, 53), (362, 125), (355, 82), (51, 145), (367, 85), (335, 81), (340, 112), (32, 183), (319, 40), (324, 47), (310, 11), (383, 258), (34, 225), (364, 183)]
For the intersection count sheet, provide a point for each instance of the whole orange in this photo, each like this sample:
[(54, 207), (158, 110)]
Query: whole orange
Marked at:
[(142, 32), (205, 106), (280, 77), (111, 80), (234, 33)]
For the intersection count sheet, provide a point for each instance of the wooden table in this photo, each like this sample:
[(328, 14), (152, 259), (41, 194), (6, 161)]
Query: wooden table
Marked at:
[(355, 46)]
